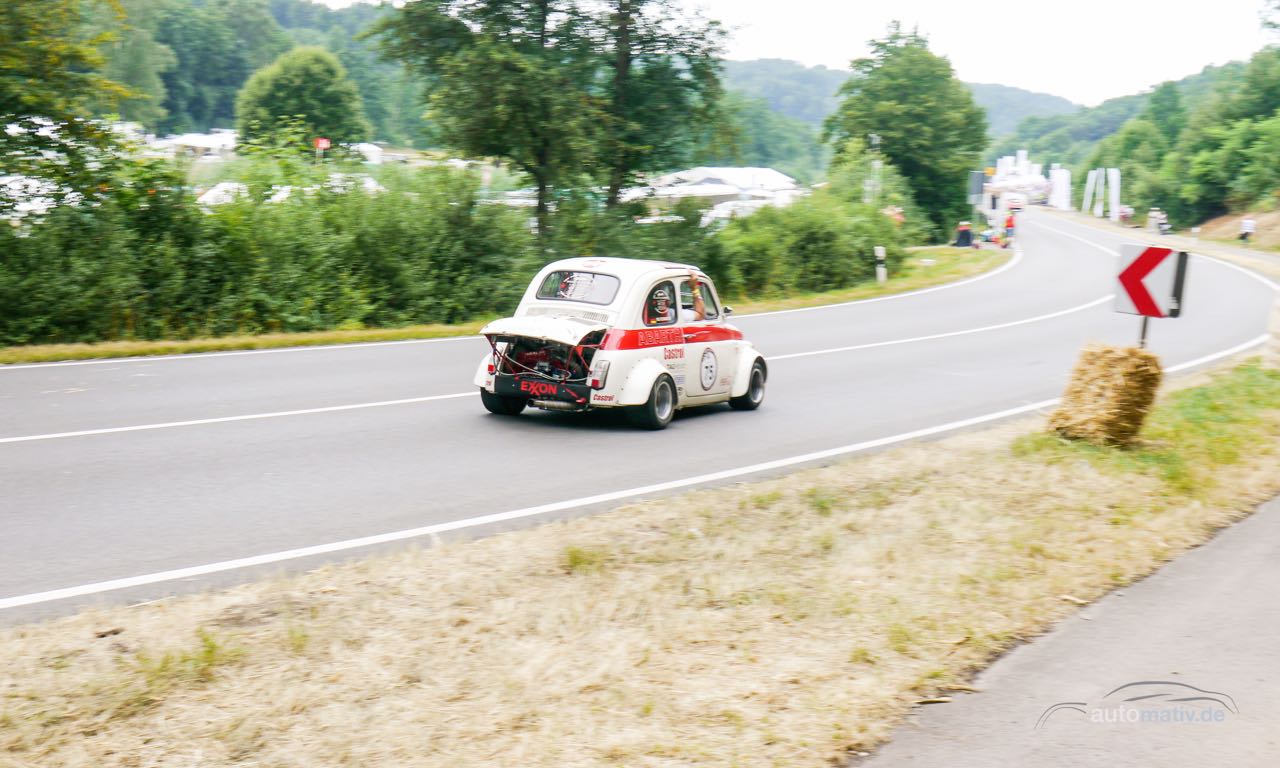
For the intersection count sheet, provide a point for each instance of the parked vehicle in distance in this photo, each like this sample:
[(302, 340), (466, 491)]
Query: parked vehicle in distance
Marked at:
[(596, 333)]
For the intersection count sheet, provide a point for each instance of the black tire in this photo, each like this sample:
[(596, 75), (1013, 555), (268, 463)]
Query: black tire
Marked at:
[(754, 396), (658, 411), (501, 405)]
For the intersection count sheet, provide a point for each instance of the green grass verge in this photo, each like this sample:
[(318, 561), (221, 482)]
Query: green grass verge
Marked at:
[(923, 268), (44, 353), (1192, 432)]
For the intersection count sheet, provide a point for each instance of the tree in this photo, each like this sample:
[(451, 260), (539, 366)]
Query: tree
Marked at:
[(753, 134), (136, 60), (218, 45), (308, 84), (49, 77), (508, 79), (927, 121), (1165, 111), (664, 87)]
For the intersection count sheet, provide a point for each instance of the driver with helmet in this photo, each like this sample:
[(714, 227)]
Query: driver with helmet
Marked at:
[(658, 309)]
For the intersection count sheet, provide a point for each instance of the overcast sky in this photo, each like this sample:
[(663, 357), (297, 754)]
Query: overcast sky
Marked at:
[(1083, 50)]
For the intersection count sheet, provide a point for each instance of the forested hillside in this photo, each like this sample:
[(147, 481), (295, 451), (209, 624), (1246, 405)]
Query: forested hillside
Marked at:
[(1007, 107), (1199, 152), (186, 60), (807, 94), (1070, 138)]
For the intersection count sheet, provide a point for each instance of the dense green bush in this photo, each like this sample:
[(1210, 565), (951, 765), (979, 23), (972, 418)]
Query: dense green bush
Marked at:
[(818, 243), (147, 262)]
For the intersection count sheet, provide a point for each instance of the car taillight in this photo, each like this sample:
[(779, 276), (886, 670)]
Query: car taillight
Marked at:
[(599, 373)]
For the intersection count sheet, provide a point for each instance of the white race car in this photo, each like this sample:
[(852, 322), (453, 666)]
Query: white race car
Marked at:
[(619, 333)]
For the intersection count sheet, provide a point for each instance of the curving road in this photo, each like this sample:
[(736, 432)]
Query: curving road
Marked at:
[(131, 479)]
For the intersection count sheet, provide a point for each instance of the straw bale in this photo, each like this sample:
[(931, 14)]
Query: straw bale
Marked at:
[(1110, 392)]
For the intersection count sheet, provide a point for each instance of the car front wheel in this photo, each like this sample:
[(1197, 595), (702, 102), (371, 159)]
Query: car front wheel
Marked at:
[(657, 412), (754, 396), (500, 404)]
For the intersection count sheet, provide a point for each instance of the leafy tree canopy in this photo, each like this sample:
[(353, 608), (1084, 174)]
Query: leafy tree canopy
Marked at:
[(663, 87), (926, 120), (49, 78), (306, 84)]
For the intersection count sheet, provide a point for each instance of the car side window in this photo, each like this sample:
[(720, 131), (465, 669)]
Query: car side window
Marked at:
[(659, 305), (708, 299)]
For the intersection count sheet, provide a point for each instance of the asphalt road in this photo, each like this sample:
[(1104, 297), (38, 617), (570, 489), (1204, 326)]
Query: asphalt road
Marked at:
[(130, 479), (1200, 639)]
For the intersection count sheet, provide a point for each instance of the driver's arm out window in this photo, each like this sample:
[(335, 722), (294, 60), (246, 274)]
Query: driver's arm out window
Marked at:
[(708, 300)]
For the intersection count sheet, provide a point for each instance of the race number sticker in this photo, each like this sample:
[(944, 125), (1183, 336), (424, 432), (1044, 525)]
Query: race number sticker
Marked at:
[(708, 369)]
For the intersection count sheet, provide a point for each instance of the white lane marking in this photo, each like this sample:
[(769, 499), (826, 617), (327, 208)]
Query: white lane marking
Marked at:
[(207, 355), (308, 411), (1214, 259), (516, 514), (1010, 264), (222, 419), (1017, 256), (1254, 342), (1100, 247), (558, 506), (949, 334)]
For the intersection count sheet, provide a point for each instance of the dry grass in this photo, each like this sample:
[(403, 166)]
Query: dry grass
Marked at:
[(1226, 229), (776, 623), (924, 268)]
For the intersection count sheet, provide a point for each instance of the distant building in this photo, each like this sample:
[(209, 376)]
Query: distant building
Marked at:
[(731, 191), (219, 143)]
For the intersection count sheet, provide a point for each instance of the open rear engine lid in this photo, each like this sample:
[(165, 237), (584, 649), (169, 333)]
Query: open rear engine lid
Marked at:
[(562, 329)]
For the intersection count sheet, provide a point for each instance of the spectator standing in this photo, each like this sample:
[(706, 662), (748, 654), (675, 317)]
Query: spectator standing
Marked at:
[(1247, 227)]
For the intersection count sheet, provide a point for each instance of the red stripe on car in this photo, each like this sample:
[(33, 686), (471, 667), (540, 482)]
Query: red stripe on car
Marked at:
[(644, 338)]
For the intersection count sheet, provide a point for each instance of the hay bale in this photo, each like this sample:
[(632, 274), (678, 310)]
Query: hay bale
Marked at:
[(1110, 392)]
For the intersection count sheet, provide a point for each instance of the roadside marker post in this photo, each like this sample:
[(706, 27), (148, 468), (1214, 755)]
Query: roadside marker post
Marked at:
[(1151, 283), (882, 272), (321, 144)]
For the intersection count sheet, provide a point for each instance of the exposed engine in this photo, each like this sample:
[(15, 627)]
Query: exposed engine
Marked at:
[(523, 356)]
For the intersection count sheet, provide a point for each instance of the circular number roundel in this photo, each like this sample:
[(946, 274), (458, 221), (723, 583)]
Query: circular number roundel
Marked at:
[(708, 369)]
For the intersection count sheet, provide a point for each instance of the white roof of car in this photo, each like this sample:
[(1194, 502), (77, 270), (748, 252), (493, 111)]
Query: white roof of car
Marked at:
[(624, 269)]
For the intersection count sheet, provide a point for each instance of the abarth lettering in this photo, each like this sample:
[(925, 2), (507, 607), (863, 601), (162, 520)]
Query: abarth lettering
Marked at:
[(673, 353), (660, 337)]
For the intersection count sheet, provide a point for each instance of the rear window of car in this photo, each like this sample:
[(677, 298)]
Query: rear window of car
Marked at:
[(589, 287)]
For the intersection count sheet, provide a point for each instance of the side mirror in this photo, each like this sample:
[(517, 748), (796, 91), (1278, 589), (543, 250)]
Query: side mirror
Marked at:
[(728, 311)]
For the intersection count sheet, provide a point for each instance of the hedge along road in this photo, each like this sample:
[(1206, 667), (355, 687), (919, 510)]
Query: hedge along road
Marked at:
[(132, 479)]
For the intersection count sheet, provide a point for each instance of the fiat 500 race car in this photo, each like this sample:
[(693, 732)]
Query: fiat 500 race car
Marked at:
[(619, 333)]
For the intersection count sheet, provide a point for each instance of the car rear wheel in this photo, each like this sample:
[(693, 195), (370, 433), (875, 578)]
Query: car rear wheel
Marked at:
[(754, 396), (657, 412), (500, 404)]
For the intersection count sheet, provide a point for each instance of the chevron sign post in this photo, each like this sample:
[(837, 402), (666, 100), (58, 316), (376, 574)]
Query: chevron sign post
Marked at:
[(1151, 283)]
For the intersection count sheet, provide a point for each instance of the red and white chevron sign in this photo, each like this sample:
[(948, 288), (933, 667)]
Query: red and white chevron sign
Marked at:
[(1151, 281)]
